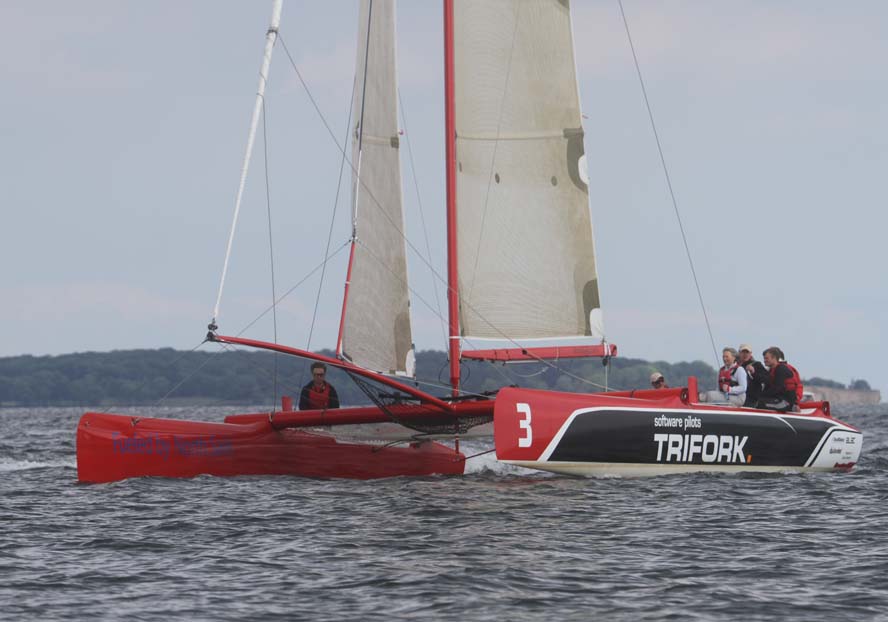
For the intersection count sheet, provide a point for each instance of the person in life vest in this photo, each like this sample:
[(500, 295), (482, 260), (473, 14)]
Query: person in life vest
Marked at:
[(783, 387), (318, 394), (658, 381), (731, 381), (756, 375)]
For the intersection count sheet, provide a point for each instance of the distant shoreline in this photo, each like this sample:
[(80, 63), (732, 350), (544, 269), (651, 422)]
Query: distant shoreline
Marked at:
[(845, 396), (173, 378)]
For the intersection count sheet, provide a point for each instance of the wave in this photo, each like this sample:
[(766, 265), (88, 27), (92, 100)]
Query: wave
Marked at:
[(7, 465), (486, 463)]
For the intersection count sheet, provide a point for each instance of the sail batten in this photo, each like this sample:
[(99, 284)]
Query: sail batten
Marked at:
[(538, 135), (376, 332), (526, 257)]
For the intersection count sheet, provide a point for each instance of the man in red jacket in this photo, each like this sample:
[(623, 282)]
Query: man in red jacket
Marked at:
[(318, 394), (782, 383)]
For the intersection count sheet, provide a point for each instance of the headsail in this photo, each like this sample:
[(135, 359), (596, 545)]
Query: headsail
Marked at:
[(526, 259), (376, 321)]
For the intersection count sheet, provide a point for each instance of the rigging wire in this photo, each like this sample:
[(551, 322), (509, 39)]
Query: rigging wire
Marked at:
[(314, 314), (256, 319), (190, 375), (538, 372), (145, 382), (277, 302), (421, 214), (374, 200), (415, 294), (292, 289), (270, 246), (467, 458), (363, 96), (669, 184), (264, 370), (447, 387)]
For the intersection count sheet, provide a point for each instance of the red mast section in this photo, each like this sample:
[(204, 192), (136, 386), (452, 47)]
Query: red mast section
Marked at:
[(450, 150)]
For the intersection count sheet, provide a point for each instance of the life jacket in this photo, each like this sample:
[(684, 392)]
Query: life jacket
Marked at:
[(319, 399), (793, 384), (726, 376)]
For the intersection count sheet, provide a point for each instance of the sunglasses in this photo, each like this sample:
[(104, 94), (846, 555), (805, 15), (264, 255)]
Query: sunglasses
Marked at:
[(658, 382)]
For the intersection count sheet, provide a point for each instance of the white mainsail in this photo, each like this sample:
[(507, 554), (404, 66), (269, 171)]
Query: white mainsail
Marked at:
[(376, 320), (525, 251)]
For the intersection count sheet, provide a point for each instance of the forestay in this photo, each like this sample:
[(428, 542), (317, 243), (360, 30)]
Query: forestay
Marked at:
[(526, 257), (376, 320)]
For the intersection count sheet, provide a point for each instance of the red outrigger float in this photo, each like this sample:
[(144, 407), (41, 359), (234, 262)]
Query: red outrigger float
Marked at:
[(112, 447), (115, 447)]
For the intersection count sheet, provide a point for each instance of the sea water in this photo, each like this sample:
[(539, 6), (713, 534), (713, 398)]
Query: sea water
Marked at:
[(497, 544)]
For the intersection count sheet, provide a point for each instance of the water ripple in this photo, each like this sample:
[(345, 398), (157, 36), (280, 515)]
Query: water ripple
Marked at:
[(498, 543)]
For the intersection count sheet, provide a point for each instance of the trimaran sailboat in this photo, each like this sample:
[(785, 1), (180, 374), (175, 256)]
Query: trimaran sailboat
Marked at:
[(521, 268)]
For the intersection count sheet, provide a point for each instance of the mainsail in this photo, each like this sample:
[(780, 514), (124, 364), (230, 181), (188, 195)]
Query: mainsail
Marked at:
[(525, 253), (376, 319)]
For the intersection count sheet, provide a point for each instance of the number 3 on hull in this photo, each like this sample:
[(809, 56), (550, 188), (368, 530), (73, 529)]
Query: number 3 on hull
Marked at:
[(524, 424)]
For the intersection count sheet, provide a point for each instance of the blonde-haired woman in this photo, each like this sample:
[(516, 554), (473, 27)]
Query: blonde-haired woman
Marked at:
[(731, 381)]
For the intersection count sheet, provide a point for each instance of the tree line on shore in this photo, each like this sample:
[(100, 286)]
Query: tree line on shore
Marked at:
[(136, 377)]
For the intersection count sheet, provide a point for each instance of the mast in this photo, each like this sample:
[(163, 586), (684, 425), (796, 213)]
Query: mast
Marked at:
[(450, 150), (270, 38)]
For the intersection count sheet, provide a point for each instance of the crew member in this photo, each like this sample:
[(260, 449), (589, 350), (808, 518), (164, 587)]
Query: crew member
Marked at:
[(658, 381), (756, 375), (732, 383), (318, 394), (783, 385)]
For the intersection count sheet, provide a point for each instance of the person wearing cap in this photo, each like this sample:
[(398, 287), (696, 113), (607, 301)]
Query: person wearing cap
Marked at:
[(756, 375), (658, 381)]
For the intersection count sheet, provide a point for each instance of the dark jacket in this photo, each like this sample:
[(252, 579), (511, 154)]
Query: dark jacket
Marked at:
[(313, 400), (775, 388), (755, 383)]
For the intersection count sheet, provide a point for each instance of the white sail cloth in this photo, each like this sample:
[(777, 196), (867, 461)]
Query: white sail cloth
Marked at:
[(526, 257), (376, 322)]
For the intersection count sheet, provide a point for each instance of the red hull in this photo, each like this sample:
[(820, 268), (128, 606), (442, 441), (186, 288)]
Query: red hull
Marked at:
[(115, 447), (662, 432)]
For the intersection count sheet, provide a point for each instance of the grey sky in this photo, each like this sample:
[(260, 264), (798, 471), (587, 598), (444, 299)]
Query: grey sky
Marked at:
[(123, 126)]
